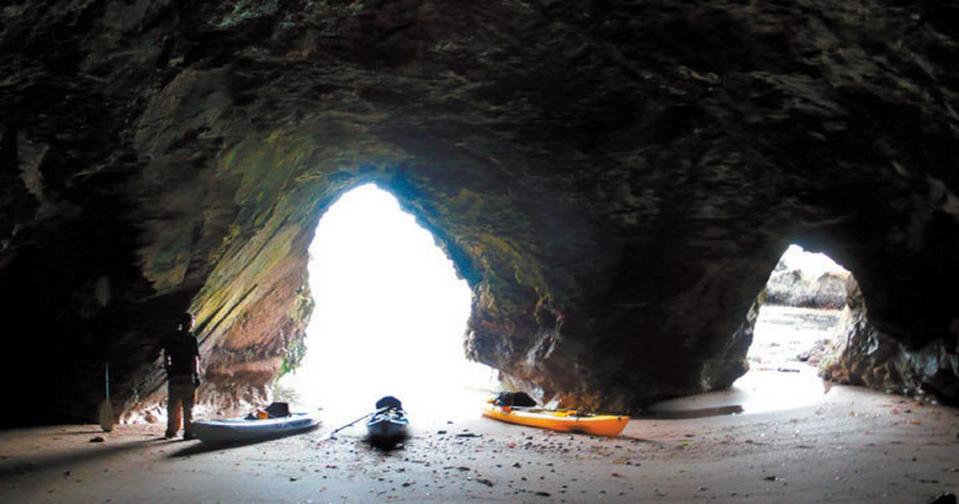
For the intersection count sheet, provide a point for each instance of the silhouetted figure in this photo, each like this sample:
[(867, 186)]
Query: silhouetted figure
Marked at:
[(181, 359)]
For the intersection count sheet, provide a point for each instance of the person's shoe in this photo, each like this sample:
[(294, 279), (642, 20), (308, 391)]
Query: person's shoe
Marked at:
[(169, 435), (188, 436)]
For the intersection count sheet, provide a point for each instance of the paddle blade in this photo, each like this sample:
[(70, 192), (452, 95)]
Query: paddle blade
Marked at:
[(106, 416)]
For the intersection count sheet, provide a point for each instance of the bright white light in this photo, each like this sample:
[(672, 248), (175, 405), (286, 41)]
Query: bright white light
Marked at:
[(811, 264), (777, 379), (390, 317), (782, 332)]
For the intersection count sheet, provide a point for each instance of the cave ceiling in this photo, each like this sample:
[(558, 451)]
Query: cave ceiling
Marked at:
[(614, 179)]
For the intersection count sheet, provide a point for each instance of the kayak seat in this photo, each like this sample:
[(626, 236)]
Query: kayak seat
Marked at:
[(274, 410)]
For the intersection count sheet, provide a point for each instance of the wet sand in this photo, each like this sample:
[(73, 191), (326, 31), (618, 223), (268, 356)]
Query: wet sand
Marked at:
[(854, 446)]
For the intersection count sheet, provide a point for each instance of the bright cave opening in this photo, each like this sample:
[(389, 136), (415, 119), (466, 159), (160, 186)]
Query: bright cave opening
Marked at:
[(800, 320), (802, 313), (390, 318)]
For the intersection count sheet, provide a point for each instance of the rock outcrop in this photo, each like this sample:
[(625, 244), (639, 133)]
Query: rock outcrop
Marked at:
[(614, 179), (864, 355), (798, 284), (789, 288)]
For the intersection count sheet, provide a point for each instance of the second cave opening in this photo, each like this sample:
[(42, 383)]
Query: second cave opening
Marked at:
[(389, 319), (801, 315)]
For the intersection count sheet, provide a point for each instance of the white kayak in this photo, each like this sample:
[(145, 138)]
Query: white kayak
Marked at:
[(242, 429)]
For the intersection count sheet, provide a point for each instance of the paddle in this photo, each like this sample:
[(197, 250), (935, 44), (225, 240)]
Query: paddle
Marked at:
[(103, 294), (330, 435), (106, 409)]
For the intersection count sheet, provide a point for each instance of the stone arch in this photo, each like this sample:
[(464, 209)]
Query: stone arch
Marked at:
[(252, 302), (890, 340), (619, 195), (535, 316)]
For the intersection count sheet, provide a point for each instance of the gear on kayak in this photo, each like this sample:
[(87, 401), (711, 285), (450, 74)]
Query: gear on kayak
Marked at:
[(389, 425), (515, 407)]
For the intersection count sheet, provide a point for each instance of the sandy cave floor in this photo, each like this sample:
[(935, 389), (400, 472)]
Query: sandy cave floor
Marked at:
[(854, 446)]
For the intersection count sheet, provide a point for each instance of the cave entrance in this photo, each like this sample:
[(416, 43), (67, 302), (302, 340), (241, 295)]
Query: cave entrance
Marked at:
[(799, 313), (802, 312), (389, 319)]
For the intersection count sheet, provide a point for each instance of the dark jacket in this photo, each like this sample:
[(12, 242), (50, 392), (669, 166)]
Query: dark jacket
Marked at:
[(182, 348)]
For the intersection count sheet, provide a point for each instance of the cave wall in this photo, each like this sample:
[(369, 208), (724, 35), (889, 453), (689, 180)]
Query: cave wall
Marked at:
[(614, 179), (866, 355)]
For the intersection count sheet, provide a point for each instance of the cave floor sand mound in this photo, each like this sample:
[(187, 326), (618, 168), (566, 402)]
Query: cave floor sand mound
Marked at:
[(858, 446)]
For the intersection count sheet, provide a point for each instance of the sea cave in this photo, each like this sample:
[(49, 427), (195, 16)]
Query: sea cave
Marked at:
[(619, 192)]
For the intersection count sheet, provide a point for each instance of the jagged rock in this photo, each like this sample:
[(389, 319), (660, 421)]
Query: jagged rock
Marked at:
[(864, 355), (614, 179), (814, 355)]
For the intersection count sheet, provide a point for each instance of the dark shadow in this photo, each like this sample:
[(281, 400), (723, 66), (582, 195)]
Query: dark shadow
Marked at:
[(387, 445), (207, 446), (635, 439), (694, 413), (80, 433), (20, 466)]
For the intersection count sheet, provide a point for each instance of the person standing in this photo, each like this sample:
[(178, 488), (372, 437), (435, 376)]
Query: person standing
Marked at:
[(181, 359)]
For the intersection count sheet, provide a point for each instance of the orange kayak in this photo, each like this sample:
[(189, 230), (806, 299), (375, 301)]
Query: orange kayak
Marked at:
[(559, 420)]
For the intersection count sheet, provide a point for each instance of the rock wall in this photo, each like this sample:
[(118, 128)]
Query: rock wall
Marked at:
[(864, 355), (614, 179)]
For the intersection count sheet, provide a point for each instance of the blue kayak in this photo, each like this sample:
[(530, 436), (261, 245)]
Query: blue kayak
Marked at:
[(389, 423)]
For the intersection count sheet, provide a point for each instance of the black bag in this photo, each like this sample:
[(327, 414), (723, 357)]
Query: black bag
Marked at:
[(278, 410), (389, 402), (521, 399)]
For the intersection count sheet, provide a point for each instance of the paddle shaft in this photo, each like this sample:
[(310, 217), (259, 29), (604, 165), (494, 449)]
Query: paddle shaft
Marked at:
[(353, 422), (330, 435), (106, 409)]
